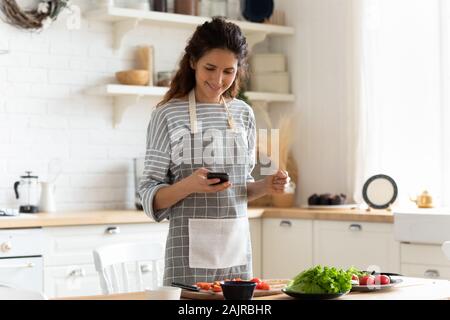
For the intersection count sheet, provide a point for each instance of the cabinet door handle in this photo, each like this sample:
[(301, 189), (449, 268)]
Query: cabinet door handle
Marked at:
[(145, 268), (285, 223), (18, 266), (78, 272), (355, 227), (431, 273), (113, 230)]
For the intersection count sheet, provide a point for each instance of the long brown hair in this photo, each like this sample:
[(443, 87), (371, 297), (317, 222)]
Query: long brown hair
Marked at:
[(214, 34)]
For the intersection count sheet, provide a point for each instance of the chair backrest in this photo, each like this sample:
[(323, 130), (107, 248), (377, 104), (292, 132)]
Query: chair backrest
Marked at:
[(10, 293), (112, 263), (446, 249)]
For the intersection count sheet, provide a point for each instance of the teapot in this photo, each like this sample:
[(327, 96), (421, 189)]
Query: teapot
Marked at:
[(424, 200)]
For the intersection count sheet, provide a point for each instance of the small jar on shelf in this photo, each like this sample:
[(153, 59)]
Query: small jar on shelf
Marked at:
[(188, 7), (164, 78), (159, 5), (218, 8), (171, 6), (204, 8), (234, 10)]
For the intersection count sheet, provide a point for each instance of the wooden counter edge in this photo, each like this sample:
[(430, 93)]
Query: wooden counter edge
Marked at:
[(135, 216), (412, 288), (380, 216)]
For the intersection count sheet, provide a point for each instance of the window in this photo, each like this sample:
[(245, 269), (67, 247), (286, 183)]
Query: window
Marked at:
[(404, 121)]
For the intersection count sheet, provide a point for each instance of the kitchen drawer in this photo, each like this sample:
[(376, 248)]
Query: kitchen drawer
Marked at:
[(71, 280), (83, 279), (21, 242), (25, 272), (286, 246), (364, 245), (74, 245), (423, 254), (425, 271)]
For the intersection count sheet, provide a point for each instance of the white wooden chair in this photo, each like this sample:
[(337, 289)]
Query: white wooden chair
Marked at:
[(112, 263)]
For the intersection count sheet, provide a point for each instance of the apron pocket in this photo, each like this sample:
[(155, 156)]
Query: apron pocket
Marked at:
[(218, 243)]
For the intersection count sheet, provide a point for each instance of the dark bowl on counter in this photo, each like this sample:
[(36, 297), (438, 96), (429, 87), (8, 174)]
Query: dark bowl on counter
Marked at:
[(238, 290)]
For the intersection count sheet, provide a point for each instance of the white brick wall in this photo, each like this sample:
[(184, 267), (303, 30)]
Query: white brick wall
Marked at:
[(44, 113)]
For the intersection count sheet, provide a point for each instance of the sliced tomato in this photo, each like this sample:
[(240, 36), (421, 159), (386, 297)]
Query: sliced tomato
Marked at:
[(204, 285), (216, 288), (255, 280), (263, 286)]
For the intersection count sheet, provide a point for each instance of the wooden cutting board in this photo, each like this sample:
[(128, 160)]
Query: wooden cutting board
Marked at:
[(275, 288)]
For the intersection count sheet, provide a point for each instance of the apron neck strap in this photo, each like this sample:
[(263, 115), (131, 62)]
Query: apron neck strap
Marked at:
[(193, 112)]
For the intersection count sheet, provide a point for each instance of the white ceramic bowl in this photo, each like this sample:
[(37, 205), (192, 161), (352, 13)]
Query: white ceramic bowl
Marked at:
[(163, 293)]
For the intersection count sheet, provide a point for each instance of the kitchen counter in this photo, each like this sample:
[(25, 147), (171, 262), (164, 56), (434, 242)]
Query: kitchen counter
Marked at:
[(329, 214), (74, 218), (134, 216), (409, 289)]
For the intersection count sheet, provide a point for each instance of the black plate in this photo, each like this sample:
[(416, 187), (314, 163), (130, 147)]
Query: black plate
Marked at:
[(387, 202), (377, 287), (313, 296)]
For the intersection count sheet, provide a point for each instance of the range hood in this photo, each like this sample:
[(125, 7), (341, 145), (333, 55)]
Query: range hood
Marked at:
[(430, 226)]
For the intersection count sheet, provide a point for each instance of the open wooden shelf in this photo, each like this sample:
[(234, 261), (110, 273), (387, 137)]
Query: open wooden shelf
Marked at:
[(126, 20), (126, 96)]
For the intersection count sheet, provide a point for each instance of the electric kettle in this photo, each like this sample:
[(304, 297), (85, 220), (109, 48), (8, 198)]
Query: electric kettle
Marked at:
[(27, 191)]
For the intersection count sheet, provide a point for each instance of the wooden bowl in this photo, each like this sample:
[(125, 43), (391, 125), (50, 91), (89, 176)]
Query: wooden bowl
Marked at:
[(133, 77)]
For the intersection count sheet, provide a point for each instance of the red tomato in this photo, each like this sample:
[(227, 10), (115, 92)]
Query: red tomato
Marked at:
[(366, 280), (382, 279), (255, 280), (216, 288), (263, 286), (355, 277), (203, 285)]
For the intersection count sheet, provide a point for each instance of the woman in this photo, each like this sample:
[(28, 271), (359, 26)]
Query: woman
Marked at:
[(200, 127)]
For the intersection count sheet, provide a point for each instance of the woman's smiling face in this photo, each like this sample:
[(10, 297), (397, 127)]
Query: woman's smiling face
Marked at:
[(215, 72)]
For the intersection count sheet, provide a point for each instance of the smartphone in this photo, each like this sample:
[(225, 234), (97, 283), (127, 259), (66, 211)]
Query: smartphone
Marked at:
[(223, 176)]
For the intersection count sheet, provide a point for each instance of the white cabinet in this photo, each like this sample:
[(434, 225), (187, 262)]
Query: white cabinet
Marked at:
[(255, 233), (424, 260), (74, 245), (22, 272), (286, 247), (71, 280), (360, 244), (68, 260)]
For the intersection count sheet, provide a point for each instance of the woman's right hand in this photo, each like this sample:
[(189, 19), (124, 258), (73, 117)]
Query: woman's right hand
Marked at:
[(198, 182)]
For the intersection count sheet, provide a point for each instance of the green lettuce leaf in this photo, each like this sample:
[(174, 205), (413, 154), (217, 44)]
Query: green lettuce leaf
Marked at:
[(320, 279)]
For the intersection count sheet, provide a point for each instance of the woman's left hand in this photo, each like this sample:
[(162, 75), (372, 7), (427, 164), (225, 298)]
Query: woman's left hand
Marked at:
[(275, 183)]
